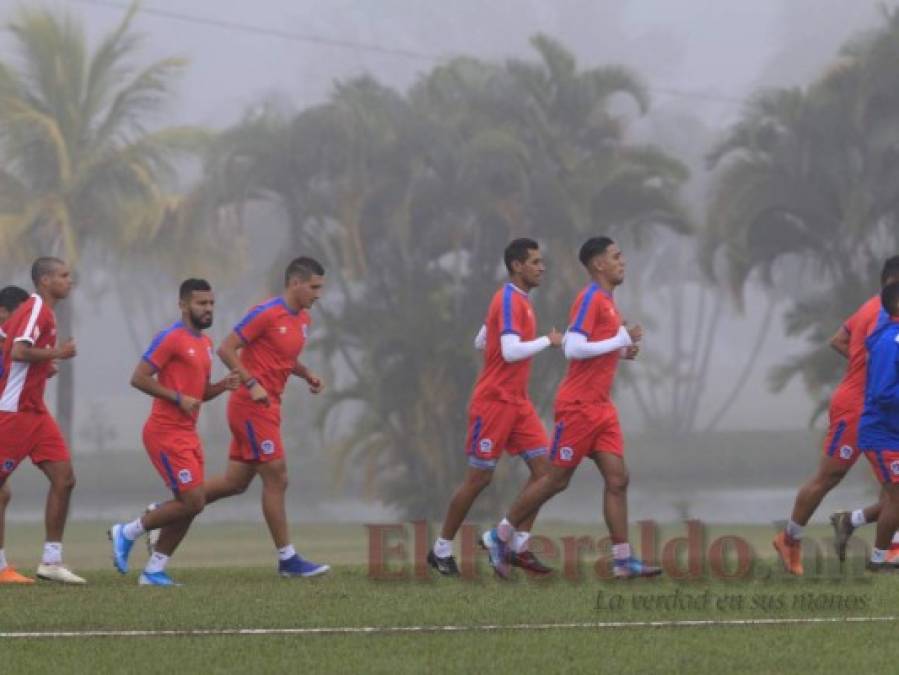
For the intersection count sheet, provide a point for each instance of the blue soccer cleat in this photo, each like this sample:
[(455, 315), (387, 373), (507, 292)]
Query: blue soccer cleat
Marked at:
[(298, 567), (498, 550), (631, 568), (121, 547), (156, 579)]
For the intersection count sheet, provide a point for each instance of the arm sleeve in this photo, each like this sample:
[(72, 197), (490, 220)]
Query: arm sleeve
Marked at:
[(515, 350), (37, 322), (253, 324), (577, 347), (511, 314), (160, 351), (480, 340)]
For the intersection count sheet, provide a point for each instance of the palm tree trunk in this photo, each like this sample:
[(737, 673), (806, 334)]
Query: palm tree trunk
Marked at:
[(65, 380)]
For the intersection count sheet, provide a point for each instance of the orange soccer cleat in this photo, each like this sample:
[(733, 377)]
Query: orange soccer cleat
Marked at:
[(790, 552), (9, 576)]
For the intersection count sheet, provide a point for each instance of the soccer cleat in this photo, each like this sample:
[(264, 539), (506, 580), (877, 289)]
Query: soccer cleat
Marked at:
[(498, 550), (790, 552), (152, 535), (298, 567), (59, 573), (121, 547), (842, 530), (446, 566), (155, 579), (885, 566), (9, 576), (893, 554), (632, 568), (529, 562)]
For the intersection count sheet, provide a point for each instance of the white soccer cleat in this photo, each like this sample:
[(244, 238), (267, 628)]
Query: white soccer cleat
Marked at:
[(59, 573)]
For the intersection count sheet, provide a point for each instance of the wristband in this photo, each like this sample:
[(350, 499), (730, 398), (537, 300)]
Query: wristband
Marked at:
[(249, 384), (178, 398)]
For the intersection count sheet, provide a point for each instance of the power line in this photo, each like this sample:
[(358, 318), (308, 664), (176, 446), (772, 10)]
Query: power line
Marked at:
[(349, 44)]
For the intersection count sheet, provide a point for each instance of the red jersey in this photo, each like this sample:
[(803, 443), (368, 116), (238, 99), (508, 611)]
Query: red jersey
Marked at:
[(22, 384), (509, 313), (273, 337), (850, 394), (594, 315), (183, 360)]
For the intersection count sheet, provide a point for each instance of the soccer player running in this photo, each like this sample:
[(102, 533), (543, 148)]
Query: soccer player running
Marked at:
[(175, 370), (501, 415), (264, 350), (586, 419), (878, 429), (26, 426), (841, 448), (10, 298)]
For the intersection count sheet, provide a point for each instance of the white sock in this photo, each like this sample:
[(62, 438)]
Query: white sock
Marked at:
[(52, 553), (895, 543), (621, 551), (858, 518), (505, 530), (156, 563), (878, 556), (793, 530), (520, 542), (286, 553), (443, 547), (133, 530), (3, 563)]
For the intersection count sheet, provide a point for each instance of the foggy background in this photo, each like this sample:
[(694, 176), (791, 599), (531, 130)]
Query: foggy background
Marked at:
[(728, 295)]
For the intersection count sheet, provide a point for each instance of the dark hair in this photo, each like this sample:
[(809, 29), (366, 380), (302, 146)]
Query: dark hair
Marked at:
[(889, 298), (188, 286), (593, 247), (11, 297), (519, 250), (890, 270), (42, 267), (304, 268)]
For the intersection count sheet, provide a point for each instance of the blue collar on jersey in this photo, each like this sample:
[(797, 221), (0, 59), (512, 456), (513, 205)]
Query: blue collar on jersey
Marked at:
[(509, 284)]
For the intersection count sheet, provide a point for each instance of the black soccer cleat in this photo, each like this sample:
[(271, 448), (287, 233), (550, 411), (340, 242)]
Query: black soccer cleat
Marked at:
[(446, 566), (884, 566), (530, 563), (842, 530)]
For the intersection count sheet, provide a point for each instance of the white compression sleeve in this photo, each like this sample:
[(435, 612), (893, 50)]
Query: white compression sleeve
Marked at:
[(480, 340), (577, 347), (516, 350)]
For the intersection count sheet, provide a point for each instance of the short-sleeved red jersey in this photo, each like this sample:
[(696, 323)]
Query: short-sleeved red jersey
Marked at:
[(273, 336), (182, 358), (509, 313), (594, 315), (850, 393), (22, 384)]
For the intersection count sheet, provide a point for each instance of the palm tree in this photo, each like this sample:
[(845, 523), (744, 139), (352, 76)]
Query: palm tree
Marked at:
[(81, 170)]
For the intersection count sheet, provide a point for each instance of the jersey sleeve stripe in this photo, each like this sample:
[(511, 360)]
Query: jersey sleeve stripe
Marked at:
[(32, 319), (578, 324), (252, 314), (508, 328), (157, 341)]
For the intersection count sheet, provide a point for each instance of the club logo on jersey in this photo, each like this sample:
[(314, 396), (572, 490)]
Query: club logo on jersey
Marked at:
[(191, 351), (282, 330), (9, 465), (268, 447), (846, 452), (894, 467), (185, 476), (566, 454), (486, 445)]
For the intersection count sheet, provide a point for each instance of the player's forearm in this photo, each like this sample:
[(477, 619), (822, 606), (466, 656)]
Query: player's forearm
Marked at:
[(301, 371), (577, 347), (22, 351), (231, 359), (214, 390), (840, 343), (150, 385), (514, 349)]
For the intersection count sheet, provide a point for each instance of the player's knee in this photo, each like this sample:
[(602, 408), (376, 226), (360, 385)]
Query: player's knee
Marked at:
[(618, 482), (194, 501), (556, 482), (479, 480), (63, 481)]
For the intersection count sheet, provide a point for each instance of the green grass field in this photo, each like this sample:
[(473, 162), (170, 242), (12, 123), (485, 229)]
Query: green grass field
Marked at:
[(229, 584)]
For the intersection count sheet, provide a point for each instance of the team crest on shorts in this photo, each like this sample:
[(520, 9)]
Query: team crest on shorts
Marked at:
[(566, 454), (846, 452), (894, 467), (9, 465), (268, 447), (486, 445), (185, 476)]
